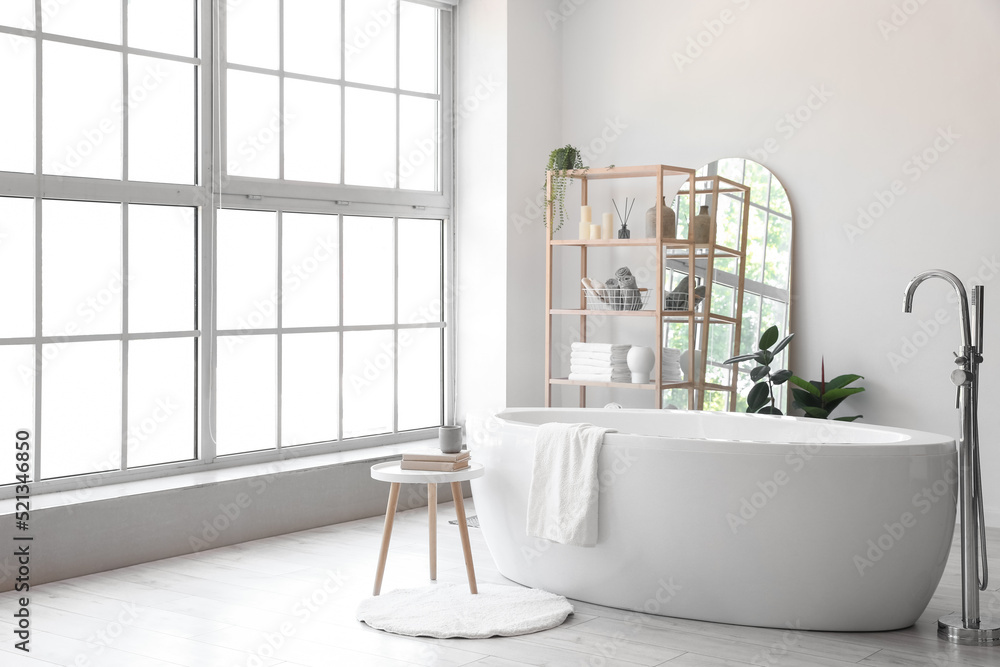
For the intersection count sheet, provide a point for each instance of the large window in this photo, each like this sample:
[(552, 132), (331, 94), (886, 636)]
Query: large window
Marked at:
[(222, 230)]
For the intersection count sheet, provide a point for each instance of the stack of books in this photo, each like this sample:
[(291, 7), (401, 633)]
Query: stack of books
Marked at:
[(433, 459)]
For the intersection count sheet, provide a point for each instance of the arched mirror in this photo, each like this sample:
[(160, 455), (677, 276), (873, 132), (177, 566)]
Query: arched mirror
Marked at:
[(765, 287)]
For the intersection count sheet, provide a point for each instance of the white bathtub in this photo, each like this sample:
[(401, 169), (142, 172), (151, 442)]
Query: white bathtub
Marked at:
[(734, 518)]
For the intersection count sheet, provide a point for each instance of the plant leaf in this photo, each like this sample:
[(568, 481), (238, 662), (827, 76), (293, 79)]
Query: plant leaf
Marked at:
[(784, 341), (803, 398), (759, 372), (818, 413), (768, 338), (830, 406), (842, 381), (843, 392), (769, 410), (757, 396), (763, 357), (780, 377), (738, 359), (848, 419), (805, 384)]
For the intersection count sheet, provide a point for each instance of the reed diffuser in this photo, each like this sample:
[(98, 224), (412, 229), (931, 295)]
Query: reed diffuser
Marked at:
[(623, 232)]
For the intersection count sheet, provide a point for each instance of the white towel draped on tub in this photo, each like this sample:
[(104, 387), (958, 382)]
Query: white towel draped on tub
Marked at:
[(562, 500)]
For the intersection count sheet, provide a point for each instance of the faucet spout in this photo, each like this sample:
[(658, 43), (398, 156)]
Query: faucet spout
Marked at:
[(963, 300)]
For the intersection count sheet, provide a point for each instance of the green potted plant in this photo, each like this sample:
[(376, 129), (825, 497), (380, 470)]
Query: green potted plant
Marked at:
[(760, 399), (561, 161), (819, 399)]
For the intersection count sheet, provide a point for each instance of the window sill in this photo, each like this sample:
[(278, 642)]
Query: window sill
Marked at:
[(201, 478)]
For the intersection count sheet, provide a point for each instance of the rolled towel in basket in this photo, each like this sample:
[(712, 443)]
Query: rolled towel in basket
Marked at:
[(611, 294), (628, 292)]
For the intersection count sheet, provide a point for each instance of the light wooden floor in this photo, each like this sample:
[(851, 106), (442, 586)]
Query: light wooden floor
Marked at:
[(290, 601)]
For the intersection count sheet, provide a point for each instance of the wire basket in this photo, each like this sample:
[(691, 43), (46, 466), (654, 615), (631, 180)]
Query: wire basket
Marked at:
[(608, 298)]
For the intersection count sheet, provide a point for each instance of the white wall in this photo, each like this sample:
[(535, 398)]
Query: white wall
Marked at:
[(890, 94), (480, 206), (508, 94)]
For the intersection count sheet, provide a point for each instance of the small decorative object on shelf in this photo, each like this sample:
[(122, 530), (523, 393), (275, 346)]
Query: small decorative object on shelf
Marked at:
[(561, 162), (701, 230), (669, 221), (640, 362), (623, 232), (608, 226), (677, 299), (584, 223), (602, 297), (685, 362), (595, 232)]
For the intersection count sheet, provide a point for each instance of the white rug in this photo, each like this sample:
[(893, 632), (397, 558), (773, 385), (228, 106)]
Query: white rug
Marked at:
[(450, 610)]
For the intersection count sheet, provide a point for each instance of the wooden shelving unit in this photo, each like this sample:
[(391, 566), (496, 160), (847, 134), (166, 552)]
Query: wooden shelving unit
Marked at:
[(698, 320)]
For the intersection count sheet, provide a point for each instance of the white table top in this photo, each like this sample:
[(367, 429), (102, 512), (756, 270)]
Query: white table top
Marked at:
[(391, 472)]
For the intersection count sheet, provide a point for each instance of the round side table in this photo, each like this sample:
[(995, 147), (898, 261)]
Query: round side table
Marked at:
[(392, 473)]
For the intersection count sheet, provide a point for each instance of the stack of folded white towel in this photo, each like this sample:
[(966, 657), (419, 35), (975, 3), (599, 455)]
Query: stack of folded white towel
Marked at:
[(599, 362), (671, 365)]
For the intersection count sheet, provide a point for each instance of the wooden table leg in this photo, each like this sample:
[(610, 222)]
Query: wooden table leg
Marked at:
[(390, 514), (463, 529), (432, 519)]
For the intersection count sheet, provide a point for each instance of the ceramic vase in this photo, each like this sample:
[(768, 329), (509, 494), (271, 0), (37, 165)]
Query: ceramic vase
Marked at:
[(450, 439), (701, 228), (669, 221), (685, 359), (640, 361)]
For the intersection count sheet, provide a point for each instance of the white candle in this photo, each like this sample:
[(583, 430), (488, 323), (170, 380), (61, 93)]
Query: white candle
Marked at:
[(584, 230), (607, 229), (595, 232), (585, 214)]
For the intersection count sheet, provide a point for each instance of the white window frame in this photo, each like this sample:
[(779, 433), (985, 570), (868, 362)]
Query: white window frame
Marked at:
[(212, 192)]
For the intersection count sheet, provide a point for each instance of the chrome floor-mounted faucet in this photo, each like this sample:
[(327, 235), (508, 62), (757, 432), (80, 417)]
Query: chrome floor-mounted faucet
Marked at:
[(966, 627)]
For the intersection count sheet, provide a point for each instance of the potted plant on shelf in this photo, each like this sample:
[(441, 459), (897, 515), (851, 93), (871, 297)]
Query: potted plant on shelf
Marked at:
[(819, 399), (561, 161), (760, 399)]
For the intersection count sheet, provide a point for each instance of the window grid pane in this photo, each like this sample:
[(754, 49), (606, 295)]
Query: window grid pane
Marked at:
[(282, 127), (164, 94)]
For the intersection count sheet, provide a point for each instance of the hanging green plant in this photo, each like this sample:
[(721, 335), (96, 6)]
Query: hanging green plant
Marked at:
[(561, 161)]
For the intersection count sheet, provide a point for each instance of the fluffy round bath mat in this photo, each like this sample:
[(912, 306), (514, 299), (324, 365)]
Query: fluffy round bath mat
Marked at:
[(450, 610)]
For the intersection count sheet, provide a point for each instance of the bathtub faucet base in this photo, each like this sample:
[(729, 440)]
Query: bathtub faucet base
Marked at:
[(953, 628)]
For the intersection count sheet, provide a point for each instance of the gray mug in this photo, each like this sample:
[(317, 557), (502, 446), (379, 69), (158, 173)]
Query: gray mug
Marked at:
[(450, 439)]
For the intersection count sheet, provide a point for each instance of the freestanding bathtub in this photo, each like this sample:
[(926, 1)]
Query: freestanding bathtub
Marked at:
[(734, 518)]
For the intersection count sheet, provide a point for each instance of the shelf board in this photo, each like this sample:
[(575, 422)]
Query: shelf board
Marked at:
[(616, 313), (667, 314), (698, 316), (700, 249), (618, 385), (604, 242), (629, 172), (634, 385)]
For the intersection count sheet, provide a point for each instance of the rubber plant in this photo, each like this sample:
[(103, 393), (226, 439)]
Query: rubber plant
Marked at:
[(760, 399), (819, 399), (561, 161)]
